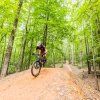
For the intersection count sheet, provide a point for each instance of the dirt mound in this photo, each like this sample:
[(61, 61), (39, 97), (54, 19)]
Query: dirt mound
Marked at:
[(51, 84)]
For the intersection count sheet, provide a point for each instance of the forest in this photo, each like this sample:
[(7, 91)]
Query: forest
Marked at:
[(70, 30)]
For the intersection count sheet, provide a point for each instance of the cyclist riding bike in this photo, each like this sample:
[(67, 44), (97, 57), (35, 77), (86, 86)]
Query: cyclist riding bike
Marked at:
[(42, 51)]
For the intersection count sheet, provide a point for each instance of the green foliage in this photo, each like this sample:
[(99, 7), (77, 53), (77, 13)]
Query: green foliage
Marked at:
[(68, 26)]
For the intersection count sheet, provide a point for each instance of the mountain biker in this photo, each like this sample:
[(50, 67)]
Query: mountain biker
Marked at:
[(42, 50)]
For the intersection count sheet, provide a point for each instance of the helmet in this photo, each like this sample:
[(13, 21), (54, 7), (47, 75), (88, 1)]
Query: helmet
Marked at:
[(39, 43)]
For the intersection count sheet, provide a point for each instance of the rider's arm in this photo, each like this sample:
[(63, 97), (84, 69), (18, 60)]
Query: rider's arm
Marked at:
[(37, 48), (45, 50), (36, 51)]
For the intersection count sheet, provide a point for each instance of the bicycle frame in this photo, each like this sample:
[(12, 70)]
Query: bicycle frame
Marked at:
[(36, 66), (38, 56)]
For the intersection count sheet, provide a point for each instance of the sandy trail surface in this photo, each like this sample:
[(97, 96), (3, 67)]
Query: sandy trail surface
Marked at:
[(51, 84)]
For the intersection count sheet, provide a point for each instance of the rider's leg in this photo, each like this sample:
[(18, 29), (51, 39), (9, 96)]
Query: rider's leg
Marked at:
[(40, 57), (44, 59)]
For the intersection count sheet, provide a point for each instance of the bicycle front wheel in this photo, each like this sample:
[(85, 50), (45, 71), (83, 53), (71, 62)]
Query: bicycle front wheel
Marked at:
[(35, 69)]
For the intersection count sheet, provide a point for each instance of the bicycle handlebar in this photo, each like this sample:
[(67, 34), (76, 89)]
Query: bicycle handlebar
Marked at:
[(38, 54)]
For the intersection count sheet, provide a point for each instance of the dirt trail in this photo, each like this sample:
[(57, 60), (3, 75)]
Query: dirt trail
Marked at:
[(51, 84), (85, 80)]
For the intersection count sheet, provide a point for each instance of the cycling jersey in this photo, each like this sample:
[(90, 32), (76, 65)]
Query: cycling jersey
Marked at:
[(41, 48)]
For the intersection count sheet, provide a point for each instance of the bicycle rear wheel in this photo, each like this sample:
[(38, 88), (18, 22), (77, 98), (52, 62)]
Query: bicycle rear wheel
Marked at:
[(35, 69)]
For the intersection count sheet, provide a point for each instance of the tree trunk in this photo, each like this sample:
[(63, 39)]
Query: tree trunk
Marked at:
[(4, 35), (45, 30), (14, 55), (30, 53), (20, 62), (22, 56), (11, 42), (75, 54), (45, 36), (53, 59), (22, 51), (81, 54), (98, 36), (69, 56), (3, 53), (87, 52), (95, 74), (72, 54)]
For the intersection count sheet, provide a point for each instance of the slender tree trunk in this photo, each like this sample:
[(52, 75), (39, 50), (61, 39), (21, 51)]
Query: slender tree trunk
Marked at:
[(30, 53), (45, 34), (69, 56), (22, 56), (46, 29), (11, 42), (64, 57), (2, 37), (20, 62), (53, 54), (53, 59), (75, 54), (3, 53), (95, 74), (87, 53), (22, 52), (81, 54), (14, 55), (98, 36), (72, 54), (2, 24), (98, 28)]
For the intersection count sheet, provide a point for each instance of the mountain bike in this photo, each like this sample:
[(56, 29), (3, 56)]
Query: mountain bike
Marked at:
[(38, 64)]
